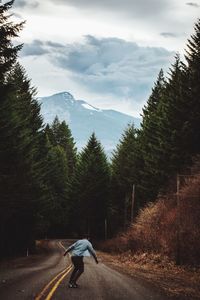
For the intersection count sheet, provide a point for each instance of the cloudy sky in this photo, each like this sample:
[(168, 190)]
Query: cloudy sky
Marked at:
[(107, 52)]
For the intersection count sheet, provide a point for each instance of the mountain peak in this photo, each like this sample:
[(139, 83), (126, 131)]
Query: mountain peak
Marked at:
[(84, 118), (64, 95)]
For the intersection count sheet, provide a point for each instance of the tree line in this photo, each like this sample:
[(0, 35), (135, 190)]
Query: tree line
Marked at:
[(49, 189)]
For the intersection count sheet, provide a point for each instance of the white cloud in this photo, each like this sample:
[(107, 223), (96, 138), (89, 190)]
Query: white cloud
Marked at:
[(25, 3), (109, 67), (128, 7), (108, 72), (194, 4)]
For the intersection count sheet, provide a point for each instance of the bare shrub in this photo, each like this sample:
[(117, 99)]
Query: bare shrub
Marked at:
[(190, 221), (149, 227), (156, 227)]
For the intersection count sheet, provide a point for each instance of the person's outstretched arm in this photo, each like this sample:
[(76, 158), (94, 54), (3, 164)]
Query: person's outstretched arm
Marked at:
[(69, 249), (92, 252)]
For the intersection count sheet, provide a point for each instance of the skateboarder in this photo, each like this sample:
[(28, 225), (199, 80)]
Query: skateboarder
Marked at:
[(79, 249)]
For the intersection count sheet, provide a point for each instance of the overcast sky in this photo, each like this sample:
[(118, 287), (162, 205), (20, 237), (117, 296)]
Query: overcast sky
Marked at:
[(107, 52)]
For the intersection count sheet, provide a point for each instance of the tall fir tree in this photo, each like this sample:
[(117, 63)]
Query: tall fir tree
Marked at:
[(90, 190), (125, 166), (20, 131), (8, 52), (149, 140), (193, 90), (61, 164), (61, 135), (8, 122), (57, 213), (173, 124)]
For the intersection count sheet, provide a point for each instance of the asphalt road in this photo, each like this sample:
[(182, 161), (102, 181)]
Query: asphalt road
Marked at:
[(45, 277)]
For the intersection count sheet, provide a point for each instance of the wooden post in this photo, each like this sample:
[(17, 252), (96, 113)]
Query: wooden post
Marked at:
[(132, 202)]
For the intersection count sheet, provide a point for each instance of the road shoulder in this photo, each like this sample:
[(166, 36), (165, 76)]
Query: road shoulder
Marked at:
[(173, 281)]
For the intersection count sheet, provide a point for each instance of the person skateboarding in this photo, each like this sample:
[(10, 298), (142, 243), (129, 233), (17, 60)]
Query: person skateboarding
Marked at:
[(79, 249)]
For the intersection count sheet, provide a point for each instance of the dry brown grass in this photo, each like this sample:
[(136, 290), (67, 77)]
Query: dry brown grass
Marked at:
[(156, 227), (148, 249)]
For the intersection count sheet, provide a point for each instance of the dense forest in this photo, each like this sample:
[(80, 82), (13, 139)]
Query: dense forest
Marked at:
[(48, 189)]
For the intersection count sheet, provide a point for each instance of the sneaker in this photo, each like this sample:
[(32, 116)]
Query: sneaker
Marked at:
[(72, 285)]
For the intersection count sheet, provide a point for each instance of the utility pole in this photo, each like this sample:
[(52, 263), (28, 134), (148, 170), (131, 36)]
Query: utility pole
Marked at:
[(106, 230), (132, 202), (125, 211), (88, 227), (178, 245)]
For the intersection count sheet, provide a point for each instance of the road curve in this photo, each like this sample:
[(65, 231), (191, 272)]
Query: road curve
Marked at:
[(46, 278)]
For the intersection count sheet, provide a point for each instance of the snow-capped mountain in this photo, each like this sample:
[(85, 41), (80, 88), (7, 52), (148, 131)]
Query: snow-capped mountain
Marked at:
[(83, 119)]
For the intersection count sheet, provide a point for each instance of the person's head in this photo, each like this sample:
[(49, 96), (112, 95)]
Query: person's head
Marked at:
[(85, 236)]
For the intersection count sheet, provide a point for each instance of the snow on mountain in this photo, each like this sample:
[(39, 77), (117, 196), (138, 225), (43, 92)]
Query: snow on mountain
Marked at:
[(88, 106), (83, 119)]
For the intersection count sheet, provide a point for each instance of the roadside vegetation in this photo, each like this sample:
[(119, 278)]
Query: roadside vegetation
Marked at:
[(162, 245), (165, 227)]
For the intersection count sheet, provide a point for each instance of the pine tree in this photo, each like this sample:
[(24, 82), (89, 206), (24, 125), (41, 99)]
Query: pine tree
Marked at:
[(61, 135), (61, 163), (193, 90), (173, 125), (125, 168), (57, 213), (20, 131), (163, 132), (8, 31), (90, 190), (8, 125), (149, 139)]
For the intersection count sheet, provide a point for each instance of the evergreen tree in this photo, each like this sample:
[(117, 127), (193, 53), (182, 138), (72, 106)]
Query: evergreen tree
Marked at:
[(8, 126), (8, 31), (20, 180), (61, 135), (60, 169), (57, 213), (163, 132), (193, 90), (149, 140), (125, 169), (173, 125), (90, 190)]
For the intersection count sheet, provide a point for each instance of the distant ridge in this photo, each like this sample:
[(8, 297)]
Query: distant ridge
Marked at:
[(83, 119)]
